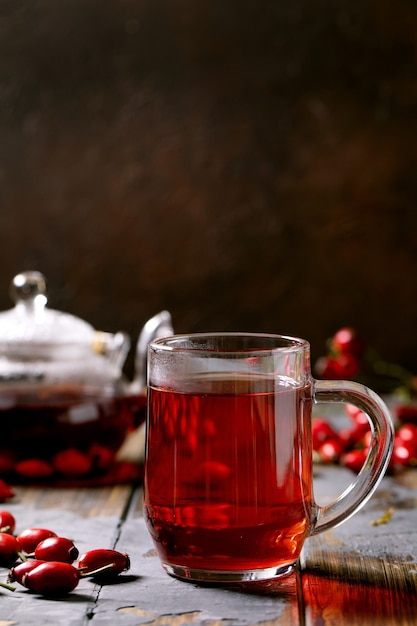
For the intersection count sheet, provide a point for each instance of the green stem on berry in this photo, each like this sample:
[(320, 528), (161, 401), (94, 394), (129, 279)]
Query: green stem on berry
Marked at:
[(6, 586), (5, 529), (23, 557), (95, 572)]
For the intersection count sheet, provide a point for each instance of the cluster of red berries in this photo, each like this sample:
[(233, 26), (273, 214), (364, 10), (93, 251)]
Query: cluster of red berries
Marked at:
[(41, 561), (69, 463), (349, 446), (348, 357), (344, 353)]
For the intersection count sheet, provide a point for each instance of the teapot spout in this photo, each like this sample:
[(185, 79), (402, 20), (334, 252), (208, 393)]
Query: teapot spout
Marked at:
[(160, 325)]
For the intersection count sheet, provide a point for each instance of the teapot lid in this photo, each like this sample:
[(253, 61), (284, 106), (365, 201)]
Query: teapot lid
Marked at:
[(31, 325)]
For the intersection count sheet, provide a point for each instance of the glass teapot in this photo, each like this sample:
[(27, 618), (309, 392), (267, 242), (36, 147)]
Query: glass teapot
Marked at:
[(67, 410)]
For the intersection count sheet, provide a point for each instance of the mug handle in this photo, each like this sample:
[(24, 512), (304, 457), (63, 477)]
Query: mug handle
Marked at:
[(379, 453)]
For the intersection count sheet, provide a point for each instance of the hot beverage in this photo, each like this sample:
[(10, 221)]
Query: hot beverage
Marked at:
[(229, 474)]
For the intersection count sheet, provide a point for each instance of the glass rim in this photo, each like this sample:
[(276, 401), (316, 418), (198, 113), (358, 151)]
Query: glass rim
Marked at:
[(176, 343)]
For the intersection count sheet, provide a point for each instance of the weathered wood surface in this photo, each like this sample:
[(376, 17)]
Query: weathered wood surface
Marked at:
[(362, 573), (92, 518)]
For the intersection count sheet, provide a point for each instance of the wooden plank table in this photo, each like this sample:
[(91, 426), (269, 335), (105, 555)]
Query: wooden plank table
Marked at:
[(363, 572)]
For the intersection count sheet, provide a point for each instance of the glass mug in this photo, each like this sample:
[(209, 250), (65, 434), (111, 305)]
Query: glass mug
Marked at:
[(228, 483)]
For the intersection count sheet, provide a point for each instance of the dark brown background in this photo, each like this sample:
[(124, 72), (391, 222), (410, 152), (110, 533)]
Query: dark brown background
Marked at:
[(246, 164)]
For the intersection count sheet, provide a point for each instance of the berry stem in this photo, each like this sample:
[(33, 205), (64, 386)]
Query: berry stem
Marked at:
[(6, 586), (99, 570), (5, 529)]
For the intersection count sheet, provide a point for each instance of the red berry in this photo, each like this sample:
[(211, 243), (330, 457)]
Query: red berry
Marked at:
[(72, 462), (101, 456), (348, 365), (330, 451), (346, 340), (9, 549), (56, 549), (96, 559), (352, 410), (321, 432), (7, 522), (342, 366), (124, 471), (354, 460), (34, 468), (402, 456), (358, 416), (365, 442), (407, 433), (345, 437), (353, 437), (18, 571), (405, 448), (29, 538), (52, 579), (326, 367), (406, 413)]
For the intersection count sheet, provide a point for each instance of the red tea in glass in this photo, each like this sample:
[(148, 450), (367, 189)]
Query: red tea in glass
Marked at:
[(228, 486), (231, 475)]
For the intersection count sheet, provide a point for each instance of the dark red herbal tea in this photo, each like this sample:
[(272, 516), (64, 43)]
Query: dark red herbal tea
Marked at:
[(228, 473)]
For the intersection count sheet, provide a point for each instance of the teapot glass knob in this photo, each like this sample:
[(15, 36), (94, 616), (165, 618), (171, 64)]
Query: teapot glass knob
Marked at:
[(29, 288)]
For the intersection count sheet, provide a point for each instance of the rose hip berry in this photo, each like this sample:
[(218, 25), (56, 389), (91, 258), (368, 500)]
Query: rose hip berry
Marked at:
[(7, 522), (72, 462), (406, 413), (30, 537), (101, 456), (407, 433), (354, 460), (56, 549), (322, 431), (18, 571), (344, 365), (116, 562), (347, 340), (9, 550), (330, 451), (34, 468), (53, 578)]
